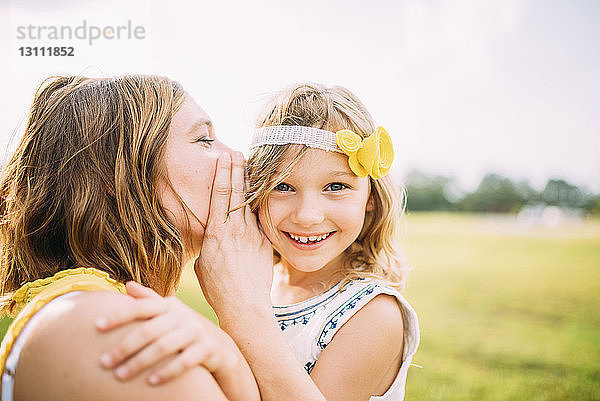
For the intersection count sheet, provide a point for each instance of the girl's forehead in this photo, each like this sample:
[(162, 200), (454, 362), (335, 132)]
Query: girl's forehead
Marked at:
[(316, 162)]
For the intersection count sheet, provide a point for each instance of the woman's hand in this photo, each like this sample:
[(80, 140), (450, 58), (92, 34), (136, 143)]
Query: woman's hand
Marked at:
[(172, 328), (235, 266)]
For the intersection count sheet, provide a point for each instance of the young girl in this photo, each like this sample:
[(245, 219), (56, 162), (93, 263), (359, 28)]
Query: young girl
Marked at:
[(318, 179), (318, 182)]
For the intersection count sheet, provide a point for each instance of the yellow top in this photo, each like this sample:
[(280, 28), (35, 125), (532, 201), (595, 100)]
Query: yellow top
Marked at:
[(32, 296)]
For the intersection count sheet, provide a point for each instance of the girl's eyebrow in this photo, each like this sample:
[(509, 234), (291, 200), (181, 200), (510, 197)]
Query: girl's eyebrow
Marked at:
[(342, 174)]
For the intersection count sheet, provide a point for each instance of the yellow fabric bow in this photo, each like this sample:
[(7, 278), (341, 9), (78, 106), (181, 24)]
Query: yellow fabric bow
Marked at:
[(370, 156)]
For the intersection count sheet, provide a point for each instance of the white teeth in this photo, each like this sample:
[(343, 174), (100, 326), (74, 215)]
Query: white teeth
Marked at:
[(304, 240)]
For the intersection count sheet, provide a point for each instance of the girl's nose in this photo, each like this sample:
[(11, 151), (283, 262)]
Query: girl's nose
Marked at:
[(307, 212)]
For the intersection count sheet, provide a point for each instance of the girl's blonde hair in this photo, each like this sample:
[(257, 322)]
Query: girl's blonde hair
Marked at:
[(375, 253), (81, 188)]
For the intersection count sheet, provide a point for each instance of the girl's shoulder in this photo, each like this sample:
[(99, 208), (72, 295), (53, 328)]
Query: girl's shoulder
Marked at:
[(377, 302), (362, 291), (371, 334)]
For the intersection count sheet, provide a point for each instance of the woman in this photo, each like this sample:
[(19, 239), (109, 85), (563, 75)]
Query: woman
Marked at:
[(111, 182)]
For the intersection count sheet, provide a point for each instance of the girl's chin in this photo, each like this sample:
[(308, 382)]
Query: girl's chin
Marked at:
[(304, 266)]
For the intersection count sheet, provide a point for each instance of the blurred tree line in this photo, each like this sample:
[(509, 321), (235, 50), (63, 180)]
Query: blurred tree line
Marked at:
[(495, 194)]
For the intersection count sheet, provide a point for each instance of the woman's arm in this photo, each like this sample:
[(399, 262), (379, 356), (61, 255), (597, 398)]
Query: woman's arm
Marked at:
[(235, 272), (60, 359), (362, 359)]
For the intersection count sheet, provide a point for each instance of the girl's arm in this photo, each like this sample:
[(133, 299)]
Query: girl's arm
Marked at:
[(173, 330)]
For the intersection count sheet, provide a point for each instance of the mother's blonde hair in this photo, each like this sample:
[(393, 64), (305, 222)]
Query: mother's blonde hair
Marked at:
[(376, 252), (81, 188)]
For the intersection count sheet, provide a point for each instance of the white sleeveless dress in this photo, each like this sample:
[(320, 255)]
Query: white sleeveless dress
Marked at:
[(310, 325)]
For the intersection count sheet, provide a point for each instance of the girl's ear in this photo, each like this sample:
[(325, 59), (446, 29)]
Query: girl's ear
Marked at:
[(370, 204)]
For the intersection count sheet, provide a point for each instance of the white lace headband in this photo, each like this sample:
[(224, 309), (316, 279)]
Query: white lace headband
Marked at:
[(371, 156), (285, 134)]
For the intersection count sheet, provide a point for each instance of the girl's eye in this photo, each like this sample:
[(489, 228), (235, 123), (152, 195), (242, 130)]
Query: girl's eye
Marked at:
[(336, 186), (204, 140), (283, 187)]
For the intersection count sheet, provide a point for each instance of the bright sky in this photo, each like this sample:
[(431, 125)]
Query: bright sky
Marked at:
[(463, 87)]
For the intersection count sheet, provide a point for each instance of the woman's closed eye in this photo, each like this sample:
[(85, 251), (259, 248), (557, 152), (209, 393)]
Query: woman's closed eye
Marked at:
[(205, 140)]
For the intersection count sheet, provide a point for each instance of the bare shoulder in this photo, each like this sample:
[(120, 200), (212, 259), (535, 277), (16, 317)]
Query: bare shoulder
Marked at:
[(60, 359), (366, 352), (379, 323)]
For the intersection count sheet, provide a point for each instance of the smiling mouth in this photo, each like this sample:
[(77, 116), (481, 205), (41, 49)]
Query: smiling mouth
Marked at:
[(309, 240)]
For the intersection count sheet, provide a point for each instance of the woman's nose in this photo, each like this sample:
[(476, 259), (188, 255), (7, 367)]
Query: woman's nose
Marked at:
[(307, 212), (222, 148)]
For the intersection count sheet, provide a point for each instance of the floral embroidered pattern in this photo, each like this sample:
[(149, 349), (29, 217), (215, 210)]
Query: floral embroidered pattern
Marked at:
[(303, 315), (309, 366), (303, 319), (333, 322)]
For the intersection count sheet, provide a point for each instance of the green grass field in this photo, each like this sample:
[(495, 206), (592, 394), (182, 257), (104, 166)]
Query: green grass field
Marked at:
[(506, 313)]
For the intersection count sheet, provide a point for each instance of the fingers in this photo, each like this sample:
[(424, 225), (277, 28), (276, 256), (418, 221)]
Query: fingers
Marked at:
[(228, 191), (137, 290), (194, 355), (249, 216), (137, 340), (143, 308), (167, 345), (221, 191)]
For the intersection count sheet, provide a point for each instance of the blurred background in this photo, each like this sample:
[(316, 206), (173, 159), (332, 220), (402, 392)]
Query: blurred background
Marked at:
[(493, 110)]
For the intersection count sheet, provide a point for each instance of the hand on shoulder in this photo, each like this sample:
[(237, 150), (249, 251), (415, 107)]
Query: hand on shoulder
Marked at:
[(61, 358)]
